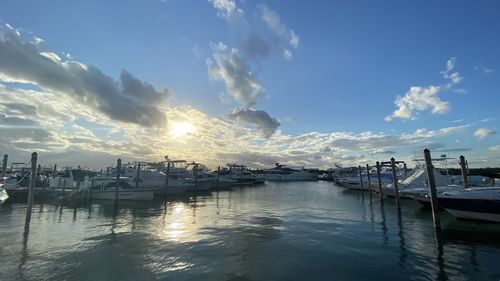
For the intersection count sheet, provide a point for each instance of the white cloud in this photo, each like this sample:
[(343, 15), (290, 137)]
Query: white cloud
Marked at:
[(278, 27), (482, 133), (130, 101), (419, 99), (448, 73), (226, 8), (230, 67)]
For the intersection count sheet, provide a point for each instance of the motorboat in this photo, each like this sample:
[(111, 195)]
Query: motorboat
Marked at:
[(3, 194), (106, 189), (241, 175), (283, 173), (416, 181), (199, 182), (471, 203)]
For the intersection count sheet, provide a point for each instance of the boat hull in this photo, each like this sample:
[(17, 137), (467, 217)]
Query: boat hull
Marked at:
[(123, 195), (477, 209)]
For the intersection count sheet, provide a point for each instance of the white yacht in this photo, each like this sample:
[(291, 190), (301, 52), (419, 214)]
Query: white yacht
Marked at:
[(3, 194), (105, 189), (416, 181), (471, 203), (179, 170), (283, 173), (241, 175)]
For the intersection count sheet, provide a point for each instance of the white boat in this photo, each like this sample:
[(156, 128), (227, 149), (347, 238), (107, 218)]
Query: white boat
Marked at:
[(179, 170), (283, 173), (107, 190), (3, 194), (241, 175), (415, 181), (62, 179), (470, 203)]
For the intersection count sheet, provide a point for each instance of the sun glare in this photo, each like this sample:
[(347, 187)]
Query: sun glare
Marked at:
[(180, 129)]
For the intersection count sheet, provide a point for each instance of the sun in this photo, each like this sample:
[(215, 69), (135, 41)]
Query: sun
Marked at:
[(181, 129)]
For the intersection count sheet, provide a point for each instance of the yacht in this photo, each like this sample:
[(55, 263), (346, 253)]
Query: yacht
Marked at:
[(3, 194), (416, 182), (200, 182), (105, 189), (283, 173), (241, 175), (470, 203)]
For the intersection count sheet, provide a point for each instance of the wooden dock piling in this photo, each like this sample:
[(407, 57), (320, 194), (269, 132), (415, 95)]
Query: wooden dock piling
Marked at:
[(395, 182), (118, 172), (369, 180), (218, 176), (137, 175), (432, 186), (167, 176), (379, 181), (4, 166), (31, 192), (463, 168), (361, 178)]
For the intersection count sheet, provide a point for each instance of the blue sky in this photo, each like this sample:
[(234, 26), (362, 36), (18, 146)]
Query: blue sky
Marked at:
[(350, 62)]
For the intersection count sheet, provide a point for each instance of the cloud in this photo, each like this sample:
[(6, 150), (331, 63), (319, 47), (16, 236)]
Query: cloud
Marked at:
[(419, 99), (287, 37), (265, 123), (488, 70), (226, 65), (448, 73), (274, 23), (133, 101), (226, 8), (482, 133)]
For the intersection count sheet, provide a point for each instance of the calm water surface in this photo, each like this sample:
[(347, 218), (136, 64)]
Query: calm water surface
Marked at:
[(280, 231)]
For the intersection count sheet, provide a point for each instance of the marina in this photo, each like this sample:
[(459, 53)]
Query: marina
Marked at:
[(125, 219), (310, 230)]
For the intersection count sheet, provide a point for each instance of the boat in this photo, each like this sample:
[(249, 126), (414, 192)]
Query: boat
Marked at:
[(416, 181), (283, 173), (471, 203), (200, 182), (241, 175), (106, 190), (3, 194)]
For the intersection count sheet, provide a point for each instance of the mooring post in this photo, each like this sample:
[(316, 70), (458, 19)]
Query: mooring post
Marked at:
[(405, 170), (361, 178), (137, 175), (395, 182), (379, 180), (369, 180), (4, 166), (31, 192), (107, 172), (118, 172), (54, 172), (195, 173), (432, 185), (38, 169), (167, 176), (218, 175), (465, 177)]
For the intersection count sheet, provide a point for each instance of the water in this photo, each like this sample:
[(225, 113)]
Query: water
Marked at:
[(280, 231)]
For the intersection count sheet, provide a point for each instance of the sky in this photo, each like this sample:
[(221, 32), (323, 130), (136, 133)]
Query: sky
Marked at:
[(304, 83)]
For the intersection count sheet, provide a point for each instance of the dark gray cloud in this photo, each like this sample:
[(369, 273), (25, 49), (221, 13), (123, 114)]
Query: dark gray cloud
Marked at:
[(133, 101), (259, 118)]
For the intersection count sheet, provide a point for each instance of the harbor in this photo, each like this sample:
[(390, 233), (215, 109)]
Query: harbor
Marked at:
[(316, 230), (227, 226)]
